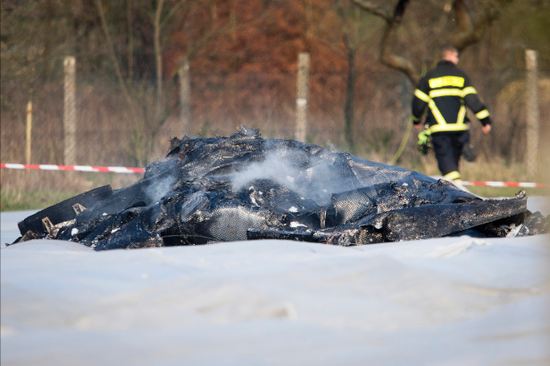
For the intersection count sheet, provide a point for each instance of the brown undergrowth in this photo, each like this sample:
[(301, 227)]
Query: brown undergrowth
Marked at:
[(36, 189)]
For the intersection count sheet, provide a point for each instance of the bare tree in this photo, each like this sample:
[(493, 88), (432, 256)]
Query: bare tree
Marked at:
[(469, 29), (160, 17), (165, 17), (130, 41), (349, 36), (158, 54), (112, 54), (345, 44)]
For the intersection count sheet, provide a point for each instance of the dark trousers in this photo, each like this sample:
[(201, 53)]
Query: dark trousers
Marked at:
[(448, 149)]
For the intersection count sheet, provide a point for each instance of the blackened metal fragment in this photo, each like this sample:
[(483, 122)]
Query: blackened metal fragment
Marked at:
[(245, 187)]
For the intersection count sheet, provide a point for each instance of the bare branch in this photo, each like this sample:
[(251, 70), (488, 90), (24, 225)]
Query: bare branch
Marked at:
[(334, 49), (437, 30), (325, 36), (468, 33), (374, 9), (130, 42), (348, 42), (158, 55), (392, 23), (393, 61), (112, 53), (170, 14), (464, 25), (483, 23), (400, 10), (206, 38)]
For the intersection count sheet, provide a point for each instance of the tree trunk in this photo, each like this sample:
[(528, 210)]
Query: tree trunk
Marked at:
[(350, 96), (233, 19), (158, 57), (531, 99), (46, 55), (130, 42), (185, 95)]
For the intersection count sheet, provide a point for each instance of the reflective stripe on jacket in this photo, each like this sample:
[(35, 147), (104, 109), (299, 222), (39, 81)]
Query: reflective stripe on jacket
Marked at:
[(447, 90)]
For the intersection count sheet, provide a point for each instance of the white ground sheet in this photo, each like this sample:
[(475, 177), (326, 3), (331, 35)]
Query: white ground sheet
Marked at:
[(450, 301)]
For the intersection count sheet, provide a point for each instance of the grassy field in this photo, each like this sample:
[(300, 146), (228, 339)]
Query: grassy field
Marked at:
[(507, 191), (33, 200), (36, 200), (37, 189), (26, 190)]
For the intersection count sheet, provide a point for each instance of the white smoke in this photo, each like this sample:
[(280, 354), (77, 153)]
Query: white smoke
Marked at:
[(281, 170), (160, 188), (286, 168)]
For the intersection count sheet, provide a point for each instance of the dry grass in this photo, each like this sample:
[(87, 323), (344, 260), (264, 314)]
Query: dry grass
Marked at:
[(36, 189), (108, 137)]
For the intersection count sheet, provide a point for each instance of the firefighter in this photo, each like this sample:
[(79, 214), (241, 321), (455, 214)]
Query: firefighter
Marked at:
[(446, 91)]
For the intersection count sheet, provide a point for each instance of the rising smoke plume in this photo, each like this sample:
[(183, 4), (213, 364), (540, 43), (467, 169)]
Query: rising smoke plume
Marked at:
[(287, 168)]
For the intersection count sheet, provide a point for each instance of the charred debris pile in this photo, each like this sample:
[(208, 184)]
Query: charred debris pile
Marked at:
[(245, 187)]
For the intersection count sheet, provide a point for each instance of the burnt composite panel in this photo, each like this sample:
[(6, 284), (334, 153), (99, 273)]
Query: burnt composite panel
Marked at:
[(246, 187)]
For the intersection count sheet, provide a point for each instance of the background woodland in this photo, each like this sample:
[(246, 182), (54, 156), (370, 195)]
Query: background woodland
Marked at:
[(243, 64)]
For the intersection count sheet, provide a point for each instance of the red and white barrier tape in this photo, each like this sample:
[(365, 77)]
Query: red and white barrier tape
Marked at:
[(505, 184), (122, 169), (80, 168)]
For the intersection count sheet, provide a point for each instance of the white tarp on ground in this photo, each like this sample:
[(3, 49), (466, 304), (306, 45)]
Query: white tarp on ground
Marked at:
[(450, 301)]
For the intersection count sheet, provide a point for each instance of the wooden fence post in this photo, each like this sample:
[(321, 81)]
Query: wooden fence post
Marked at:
[(69, 111), (406, 92), (301, 100), (29, 133), (532, 105), (185, 95)]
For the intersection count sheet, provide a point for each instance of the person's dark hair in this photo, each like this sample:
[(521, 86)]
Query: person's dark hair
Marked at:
[(446, 49)]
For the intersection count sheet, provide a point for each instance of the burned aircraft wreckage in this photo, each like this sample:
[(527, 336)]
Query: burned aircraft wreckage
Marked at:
[(245, 187)]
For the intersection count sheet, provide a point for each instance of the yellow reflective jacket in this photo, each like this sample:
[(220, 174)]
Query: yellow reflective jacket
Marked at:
[(447, 90)]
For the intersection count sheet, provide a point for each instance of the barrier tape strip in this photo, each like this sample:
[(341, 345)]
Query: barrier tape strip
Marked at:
[(506, 184), (80, 168), (122, 169)]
